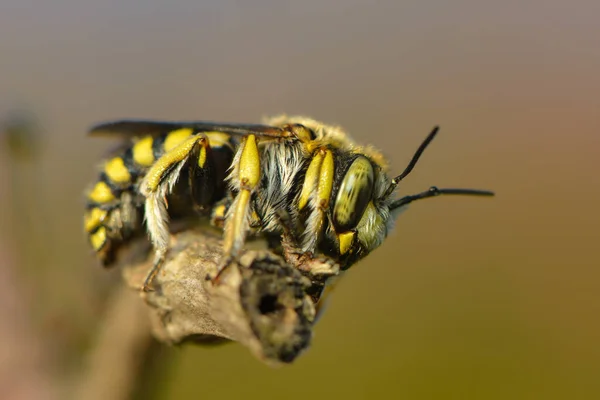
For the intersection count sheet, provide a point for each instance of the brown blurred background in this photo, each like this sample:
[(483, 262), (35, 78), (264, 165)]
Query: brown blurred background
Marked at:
[(469, 299)]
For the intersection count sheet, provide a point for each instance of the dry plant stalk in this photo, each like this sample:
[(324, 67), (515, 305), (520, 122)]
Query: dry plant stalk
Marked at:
[(112, 367), (261, 302)]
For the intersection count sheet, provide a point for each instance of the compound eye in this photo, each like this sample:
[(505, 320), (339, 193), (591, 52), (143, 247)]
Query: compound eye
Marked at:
[(355, 193)]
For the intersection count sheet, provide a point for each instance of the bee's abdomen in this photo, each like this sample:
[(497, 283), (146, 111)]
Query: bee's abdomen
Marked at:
[(114, 205), (114, 208)]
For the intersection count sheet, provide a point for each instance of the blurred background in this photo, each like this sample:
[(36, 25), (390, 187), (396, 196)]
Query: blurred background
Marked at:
[(470, 298)]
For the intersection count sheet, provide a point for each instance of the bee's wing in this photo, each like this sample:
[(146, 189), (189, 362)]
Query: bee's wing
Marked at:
[(135, 128)]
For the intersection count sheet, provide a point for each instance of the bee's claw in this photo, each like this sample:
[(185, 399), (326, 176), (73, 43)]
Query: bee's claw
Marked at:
[(147, 288), (215, 278)]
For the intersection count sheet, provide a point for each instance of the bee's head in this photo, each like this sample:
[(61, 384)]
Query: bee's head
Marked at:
[(364, 210)]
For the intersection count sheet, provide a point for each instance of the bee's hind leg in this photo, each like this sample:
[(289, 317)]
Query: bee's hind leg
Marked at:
[(157, 184)]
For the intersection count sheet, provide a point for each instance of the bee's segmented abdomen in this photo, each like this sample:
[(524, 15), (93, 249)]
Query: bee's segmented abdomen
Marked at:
[(114, 208)]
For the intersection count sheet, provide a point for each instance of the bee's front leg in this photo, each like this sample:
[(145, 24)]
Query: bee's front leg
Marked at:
[(316, 266), (314, 199)]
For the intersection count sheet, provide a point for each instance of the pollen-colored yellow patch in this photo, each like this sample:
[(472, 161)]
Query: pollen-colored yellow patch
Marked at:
[(179, 153), (175, 138), (98, 238), (325, 179), (117, 171), (346, 239), (101, 193), (93, 218), (250, 163), (310, 179), (142, 152)]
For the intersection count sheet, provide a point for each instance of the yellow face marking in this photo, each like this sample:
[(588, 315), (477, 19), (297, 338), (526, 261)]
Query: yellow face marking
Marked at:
[(98, 238), (250, 164), (179, 153), (310, 179), (325, 184), (345, 240), (117, 171), (217, 139), (142, 152), (175, 137), (101, 193), (94, 218)]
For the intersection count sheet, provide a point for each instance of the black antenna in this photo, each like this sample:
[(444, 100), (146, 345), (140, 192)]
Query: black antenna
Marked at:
[(413, 161), (433, 192)]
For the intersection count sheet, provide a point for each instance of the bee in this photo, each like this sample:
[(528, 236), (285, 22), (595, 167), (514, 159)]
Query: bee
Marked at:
[(307, 186)]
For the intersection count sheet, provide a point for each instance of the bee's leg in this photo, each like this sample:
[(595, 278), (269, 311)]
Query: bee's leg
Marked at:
[(289, 240), (256, 222), (316, 193), (317, 267), (244, 179), (203, 175), (157, 184), (128, 216), (159, 259), (219, 211)]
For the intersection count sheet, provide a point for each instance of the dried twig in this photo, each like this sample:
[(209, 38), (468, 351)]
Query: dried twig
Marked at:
[(261, 302), (114, 363)]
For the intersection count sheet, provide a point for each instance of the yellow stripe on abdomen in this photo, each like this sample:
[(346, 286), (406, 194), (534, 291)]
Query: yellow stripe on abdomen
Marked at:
[(142, 152), (116, 171), (94, 218), (98, 238), (101, 194), (174, 138)]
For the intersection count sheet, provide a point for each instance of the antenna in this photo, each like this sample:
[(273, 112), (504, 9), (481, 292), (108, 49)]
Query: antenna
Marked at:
[(433, 192), (413, 161)]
